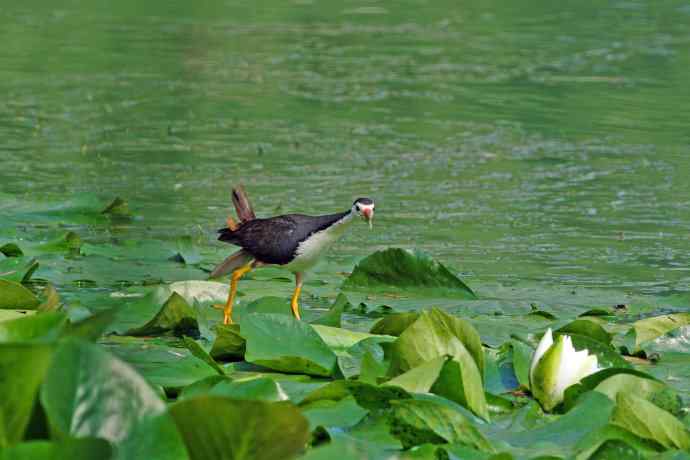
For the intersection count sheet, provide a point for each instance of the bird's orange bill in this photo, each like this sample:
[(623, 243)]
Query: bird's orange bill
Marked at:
[(369, 216)]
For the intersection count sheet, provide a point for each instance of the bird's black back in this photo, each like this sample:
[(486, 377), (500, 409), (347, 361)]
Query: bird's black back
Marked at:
[(275, 240)]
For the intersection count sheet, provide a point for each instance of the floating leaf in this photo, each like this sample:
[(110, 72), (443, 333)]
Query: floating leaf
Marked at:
[(69, 242), (283, 343), (417, 422), (342, 414), (394, 324), (587, 328), (196, 350), (229, 344), (573, 392), (436, 333), (82, 449), (18, 269), (260, 389), (11, 250), (460, 381), (45, 327), (15, 296), (217, 428), (404, 269), (89, 392), (168, 367), (648, 329), (154, 438), (186, 253), (334, 316), (591, 445), (175, 315), (648, 421), (420, 379), (118, 207), (22, 369)]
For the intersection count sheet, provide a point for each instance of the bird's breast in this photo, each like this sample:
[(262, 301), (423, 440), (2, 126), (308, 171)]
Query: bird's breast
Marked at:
[(309, 250)]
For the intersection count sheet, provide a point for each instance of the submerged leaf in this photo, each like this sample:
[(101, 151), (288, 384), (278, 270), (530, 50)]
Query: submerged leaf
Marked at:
[(218, 428), (404, 269)]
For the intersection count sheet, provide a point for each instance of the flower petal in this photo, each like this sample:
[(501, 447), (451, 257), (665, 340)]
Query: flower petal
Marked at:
[(544, 344)]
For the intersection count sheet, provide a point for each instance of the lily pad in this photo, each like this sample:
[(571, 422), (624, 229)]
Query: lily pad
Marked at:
[(435, 333), (394, 324), (118, 207), (18, 269), (155, 438), (186, 253), (11, 250), (89, 392), (43, 327), (70, 242), (175, 316), (228, 344), (573, 392), (15, 296), (168, 367), (404, 269), (587, 328), (420, 379), (417, 422), (22, 367), (258, 389), (83, 449), (648, 421), (218, 428), (648, 329), (343, 413), (285, 344)]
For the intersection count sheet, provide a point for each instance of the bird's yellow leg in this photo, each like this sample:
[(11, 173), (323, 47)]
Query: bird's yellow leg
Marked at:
[(294, 303), (236, 275)]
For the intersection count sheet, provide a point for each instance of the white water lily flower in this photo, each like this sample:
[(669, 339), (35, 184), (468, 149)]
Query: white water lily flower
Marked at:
[(556, 366)]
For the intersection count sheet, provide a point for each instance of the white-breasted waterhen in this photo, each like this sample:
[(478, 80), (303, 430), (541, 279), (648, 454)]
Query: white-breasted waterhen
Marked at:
[(292, 241)]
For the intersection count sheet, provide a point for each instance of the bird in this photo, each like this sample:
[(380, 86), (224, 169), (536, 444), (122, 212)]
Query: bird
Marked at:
[(291, 241)]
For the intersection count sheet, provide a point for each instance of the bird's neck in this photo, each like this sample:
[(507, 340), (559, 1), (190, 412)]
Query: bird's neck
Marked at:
[(341, 225)]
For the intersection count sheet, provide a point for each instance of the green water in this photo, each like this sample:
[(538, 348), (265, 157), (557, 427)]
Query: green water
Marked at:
[(533, 147)]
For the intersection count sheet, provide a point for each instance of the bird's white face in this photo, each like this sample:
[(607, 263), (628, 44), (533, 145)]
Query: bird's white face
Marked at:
[(364, 208)]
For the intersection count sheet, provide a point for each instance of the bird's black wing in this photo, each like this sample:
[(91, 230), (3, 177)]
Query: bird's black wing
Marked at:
[(271, 240)]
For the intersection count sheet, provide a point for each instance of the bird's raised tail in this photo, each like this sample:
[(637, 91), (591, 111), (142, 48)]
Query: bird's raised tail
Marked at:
[(242, 205), (232, 263)]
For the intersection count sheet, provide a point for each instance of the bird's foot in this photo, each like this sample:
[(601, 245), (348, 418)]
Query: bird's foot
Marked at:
[(227, 319)]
